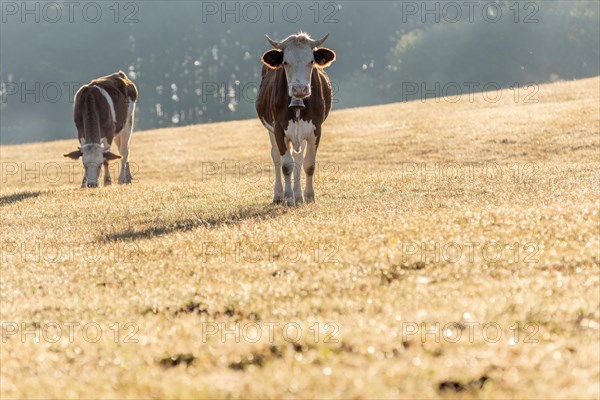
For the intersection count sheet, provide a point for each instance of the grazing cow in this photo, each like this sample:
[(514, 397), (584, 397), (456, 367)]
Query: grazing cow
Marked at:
[(293, 101), (104, 110)]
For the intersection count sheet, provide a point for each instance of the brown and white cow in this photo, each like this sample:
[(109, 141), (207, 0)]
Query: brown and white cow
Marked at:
[(293, 101), (104, 111)]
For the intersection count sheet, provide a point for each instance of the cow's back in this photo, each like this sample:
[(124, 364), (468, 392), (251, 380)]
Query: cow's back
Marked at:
[(92, 117), (122, 91)]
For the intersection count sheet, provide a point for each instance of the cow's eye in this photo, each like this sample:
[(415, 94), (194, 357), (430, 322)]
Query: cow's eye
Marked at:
[(285, 63)]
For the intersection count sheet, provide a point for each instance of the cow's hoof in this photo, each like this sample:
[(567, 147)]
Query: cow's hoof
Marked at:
[(289, 201), (107, 182), (124, 180), (310, 198)]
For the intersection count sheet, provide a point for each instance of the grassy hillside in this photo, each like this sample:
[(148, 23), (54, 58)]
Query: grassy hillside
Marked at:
[(453, 251)]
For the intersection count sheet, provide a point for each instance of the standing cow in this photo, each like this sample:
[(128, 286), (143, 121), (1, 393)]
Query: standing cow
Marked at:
[(293, 101), (104, 110)]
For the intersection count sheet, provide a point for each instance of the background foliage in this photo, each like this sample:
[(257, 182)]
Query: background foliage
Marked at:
[(192, 66)]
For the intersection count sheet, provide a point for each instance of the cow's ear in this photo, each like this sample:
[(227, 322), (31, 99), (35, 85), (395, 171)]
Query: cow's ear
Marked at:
[(108, 156), (74, 154), (324, 57), (273, 58)]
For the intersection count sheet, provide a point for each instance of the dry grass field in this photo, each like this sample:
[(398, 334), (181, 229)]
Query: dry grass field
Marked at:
[(453, 251)]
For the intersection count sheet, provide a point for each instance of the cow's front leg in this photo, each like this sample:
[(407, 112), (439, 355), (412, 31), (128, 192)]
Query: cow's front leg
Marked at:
[(309, 168), (277, 187), (298, 161), (107, 179), (287, 168), (287, 164)]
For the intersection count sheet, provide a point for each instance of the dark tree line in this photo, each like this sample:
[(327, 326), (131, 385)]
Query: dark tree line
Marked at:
[(194, 62)]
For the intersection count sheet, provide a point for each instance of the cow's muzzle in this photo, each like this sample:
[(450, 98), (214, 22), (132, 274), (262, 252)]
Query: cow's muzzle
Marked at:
[(300, 91)]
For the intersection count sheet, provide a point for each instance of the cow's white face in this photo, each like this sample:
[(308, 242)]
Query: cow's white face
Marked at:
[(298, 62), (298, 58), (92, 155)]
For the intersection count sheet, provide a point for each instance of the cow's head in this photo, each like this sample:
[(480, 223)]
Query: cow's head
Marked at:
[(298, 55), (93, 155)]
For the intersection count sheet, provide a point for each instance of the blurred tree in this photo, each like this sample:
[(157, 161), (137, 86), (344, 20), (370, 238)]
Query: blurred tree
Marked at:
[(541, 43), (193, 67)]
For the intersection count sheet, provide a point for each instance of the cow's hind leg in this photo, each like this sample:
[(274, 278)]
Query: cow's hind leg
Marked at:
[(277, 188), (122, 141), (298, 161)]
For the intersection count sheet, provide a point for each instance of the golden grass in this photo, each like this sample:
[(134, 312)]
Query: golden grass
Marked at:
[(175, 254)]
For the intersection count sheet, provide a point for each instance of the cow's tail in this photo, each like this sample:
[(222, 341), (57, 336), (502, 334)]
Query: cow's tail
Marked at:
[(91, 119)]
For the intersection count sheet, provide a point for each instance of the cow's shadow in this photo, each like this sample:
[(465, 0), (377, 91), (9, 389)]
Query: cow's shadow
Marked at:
[(207, 221), (16, 197)]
